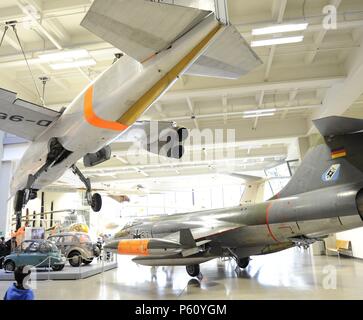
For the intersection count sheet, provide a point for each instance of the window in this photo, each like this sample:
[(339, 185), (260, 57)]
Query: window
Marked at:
[(84, 238), (33, 247), (56, 240), (25, 245), (69, 239), (44, 248)]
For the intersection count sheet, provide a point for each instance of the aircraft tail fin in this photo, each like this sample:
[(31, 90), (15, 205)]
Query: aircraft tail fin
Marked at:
[(333, 126), (143, 28), (337, 160), (229, 57)]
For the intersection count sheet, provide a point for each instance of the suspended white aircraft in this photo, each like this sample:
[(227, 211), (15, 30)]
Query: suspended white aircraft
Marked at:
[(161, 42)]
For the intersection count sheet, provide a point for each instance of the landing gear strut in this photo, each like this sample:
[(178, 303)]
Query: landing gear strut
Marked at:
[(94, 200), (193, 270)]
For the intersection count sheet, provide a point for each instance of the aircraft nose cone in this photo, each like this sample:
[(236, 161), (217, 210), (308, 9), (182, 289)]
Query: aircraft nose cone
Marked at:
[(111, 246)]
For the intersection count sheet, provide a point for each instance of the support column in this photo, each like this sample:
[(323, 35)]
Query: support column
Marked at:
[(5, 178)]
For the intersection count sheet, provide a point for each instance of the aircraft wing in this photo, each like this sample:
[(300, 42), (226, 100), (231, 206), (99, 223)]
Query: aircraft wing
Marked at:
[(22, 118), (140, 28), (207, 232)]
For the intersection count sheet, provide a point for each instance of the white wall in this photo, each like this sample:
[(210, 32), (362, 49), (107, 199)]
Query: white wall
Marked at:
[(356, 238)]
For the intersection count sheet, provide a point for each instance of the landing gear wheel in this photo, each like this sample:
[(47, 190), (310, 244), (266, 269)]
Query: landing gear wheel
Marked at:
[(193, 270), (19, 200), (9, 266), (58, 267), (96, 203), (243, 262), (74, 259)]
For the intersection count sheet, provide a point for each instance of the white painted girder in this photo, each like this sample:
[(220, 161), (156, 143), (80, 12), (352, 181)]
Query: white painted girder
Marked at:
[(175, 95), (342, 95)]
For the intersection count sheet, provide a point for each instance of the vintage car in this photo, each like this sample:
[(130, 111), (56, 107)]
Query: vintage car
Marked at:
[(37, 253), (76, 246)]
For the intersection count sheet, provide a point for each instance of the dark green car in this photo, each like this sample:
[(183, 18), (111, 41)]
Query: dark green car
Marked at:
[(37, 253)]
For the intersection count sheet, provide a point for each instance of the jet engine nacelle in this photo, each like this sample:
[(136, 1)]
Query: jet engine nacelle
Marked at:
[(169, 144), (93, 159)]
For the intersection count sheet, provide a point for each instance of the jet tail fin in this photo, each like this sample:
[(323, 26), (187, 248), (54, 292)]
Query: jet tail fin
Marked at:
[(336, 159), (229, 56), (333, 126)]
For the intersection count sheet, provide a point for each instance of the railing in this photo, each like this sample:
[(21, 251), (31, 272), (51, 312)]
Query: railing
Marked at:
[(100, 258)]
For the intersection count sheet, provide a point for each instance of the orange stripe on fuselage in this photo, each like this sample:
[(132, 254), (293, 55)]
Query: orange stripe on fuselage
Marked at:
[(93, 119), (267, 224), (133, 247)]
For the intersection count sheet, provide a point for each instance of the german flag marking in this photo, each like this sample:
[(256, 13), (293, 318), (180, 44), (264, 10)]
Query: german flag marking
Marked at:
[(338, 153)]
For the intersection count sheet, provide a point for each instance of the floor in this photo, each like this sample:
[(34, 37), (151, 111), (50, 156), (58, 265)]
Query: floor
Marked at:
[(290, 274)]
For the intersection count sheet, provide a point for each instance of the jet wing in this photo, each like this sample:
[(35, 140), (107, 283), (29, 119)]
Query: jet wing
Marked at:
[(140, 28), (208, 231), (22, 118)]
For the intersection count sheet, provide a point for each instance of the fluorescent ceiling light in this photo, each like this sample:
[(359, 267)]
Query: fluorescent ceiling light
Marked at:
[(258, 111), (258, 115), (280, 29), (271, 42), (65, 55), (75, 64)]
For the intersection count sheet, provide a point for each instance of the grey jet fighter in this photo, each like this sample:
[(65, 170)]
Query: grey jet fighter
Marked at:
[(324, 196)]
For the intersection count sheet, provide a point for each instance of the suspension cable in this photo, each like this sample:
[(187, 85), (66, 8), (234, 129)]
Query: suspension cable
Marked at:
[(27, 63), (3, 36)]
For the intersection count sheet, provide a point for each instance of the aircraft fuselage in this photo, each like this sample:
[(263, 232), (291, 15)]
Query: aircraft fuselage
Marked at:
[(107, 107)]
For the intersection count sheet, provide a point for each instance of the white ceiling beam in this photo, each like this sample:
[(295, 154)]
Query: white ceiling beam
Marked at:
[(312, 28), (319, 37), (292, 97), (191, 109), (225, 109), (342, 95), (42, 29), (254, 154), (159, 109), (240, 113), (29, 14), (230, 91), (278, 12), (56, 27), (57, 6), (269, 62), (259, 98)]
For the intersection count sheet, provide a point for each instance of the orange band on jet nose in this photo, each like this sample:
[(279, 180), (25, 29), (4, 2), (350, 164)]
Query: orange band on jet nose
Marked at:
[(133, 247), (93, 119)]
